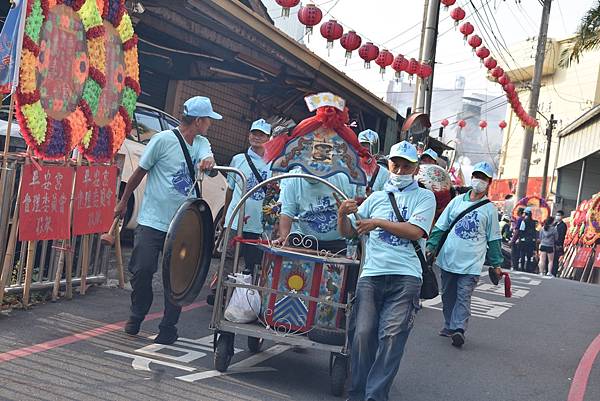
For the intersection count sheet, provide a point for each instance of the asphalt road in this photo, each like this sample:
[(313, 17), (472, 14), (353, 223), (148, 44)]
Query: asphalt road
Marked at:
[(526, 348)]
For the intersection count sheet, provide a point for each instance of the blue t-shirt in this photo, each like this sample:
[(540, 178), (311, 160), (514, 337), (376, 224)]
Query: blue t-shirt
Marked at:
[(253, 205), (466, 246), (385, 252), (382, 176), (168, 180), (314, 205)]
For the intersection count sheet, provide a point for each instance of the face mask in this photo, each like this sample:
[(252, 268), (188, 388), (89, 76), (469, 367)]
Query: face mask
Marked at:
[(558, 217), (401, 181), (479, 185)]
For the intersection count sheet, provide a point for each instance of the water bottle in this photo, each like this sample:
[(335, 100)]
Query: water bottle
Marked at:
[(351, 248)]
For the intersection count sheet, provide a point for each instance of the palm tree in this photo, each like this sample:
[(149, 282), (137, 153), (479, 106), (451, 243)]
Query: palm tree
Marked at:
[(587, 37)]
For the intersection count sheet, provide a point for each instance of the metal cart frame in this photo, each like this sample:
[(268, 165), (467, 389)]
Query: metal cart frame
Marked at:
[(225, 331)]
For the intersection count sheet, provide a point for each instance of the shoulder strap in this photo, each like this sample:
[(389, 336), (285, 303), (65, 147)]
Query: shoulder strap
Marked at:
[(456, 220), (254, 169), (415, 244), (373, 177), (188, 161)]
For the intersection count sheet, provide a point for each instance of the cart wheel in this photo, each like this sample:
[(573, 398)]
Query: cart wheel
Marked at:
[(339, 374), (324, 335), (255, 344), (223, 352)]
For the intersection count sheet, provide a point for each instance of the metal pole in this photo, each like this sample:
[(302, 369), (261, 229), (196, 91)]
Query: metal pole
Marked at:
[(428, 48), (547, 161), (580, 189), (533, 101), (423, 26)]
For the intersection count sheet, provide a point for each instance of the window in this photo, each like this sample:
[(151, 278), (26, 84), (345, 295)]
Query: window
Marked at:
[(171, 123), (148, 124)]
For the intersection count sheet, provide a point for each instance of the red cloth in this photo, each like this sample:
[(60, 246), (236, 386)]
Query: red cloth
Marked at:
[(507, 285), (329, 117)]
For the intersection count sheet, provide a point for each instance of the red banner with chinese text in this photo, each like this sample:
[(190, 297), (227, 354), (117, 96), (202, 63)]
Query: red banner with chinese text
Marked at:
[(44, 203), (94, 202)]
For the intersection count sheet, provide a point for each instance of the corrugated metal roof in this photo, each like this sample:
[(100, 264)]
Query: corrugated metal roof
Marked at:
[(582, 119)]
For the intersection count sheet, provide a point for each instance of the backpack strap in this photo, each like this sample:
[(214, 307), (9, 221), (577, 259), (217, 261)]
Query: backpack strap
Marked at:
[(373, 177), (254, 170), (415, 244), (188, 160), (456, 220)]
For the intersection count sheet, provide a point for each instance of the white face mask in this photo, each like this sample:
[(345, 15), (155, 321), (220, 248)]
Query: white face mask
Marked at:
[(479, 185), (401, 181)]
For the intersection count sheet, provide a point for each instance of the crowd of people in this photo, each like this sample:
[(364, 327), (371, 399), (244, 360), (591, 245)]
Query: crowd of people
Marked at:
[(392, 212)]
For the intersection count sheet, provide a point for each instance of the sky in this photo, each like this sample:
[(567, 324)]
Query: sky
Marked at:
[(396, 25)]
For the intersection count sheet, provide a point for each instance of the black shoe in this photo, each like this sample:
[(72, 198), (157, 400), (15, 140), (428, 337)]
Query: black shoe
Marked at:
[(458, 339), (166, 336), (132, 327), (445, 332), (210, 299)]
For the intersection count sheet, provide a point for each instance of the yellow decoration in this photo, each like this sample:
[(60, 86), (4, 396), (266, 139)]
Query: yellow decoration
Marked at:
[(27, 73), (131, 64), (296, 282), (97, 51), (125, 28)]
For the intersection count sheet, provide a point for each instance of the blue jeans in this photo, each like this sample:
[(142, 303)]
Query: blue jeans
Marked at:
[(383, 315), (456, 298)]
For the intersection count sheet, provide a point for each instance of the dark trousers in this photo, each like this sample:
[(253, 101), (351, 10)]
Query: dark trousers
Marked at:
[(515, 255), (527, 251), (147, 247), (558, 252), (251, 253)]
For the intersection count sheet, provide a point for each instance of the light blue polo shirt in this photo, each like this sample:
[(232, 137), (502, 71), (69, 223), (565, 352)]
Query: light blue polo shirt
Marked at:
[(382, 176), (168, 181), (387, 254), (253, 205), (314, 205), (466, 246)]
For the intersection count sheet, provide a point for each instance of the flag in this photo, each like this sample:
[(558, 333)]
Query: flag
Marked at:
[(11, 42)]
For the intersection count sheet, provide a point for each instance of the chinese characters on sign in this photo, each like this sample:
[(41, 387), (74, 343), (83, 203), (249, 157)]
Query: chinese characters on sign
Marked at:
[(94, 202), (44, 203)]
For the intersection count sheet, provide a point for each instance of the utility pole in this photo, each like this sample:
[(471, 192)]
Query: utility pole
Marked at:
[(549, 129), (533, 100), (428, 50)]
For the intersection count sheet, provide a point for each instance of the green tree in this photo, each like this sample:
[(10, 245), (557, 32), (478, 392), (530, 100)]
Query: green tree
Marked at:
[(587, 37)]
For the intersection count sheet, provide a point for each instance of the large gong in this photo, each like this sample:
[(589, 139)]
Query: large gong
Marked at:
[(188, 251)]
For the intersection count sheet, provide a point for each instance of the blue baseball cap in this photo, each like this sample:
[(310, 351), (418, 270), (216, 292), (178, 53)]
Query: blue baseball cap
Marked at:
[(262, 126), (368, 136), (431, 153), (485, 168), (405, 150), (200, 106)]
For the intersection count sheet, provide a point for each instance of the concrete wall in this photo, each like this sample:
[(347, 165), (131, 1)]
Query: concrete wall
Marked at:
[(567, 93)]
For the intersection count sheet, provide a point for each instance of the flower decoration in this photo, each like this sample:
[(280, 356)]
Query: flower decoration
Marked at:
[(539, 207), (54, 138), (102, 142)]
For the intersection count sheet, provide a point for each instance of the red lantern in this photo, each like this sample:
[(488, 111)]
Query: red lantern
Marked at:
[(400, 64), (490, 63), (444, 123), (475, 41), (502, 124), (462, 124), (413, 67), (425, 71), (384, 60), (482, 52), (350, 41), (482, 124), (503, 80), (331, 31), (466, 29), (448, 3), (310, 15), (287, 4), (457, 14), (368, 52), (497, 72), (509, 87)]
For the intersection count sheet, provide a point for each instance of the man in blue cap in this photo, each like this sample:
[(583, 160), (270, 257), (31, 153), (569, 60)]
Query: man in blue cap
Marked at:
[(430, 156), (369, 139), (387, 292), (168, 185), (255, 169), (469, 225)]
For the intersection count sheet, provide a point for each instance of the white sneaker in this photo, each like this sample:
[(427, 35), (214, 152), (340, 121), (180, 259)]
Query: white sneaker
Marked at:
[(541, 274), (549, 274)]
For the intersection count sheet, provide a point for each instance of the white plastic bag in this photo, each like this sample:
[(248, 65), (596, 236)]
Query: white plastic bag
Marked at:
[(244, 306)]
